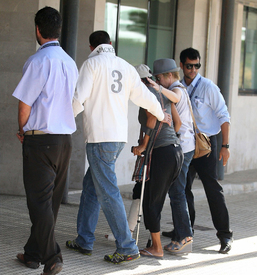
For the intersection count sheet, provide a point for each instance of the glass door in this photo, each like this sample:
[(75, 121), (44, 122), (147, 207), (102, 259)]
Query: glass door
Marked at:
[(141, 30)]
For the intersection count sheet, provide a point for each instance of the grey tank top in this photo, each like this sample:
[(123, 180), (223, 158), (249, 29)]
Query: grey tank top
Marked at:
[(167, 134)]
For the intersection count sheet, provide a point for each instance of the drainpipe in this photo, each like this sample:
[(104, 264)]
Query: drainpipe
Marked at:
[(208, 38), (69, 10), (225, 60), (70, 13)]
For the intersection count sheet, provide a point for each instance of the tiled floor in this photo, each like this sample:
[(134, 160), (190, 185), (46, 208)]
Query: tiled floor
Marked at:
[(15, 225)]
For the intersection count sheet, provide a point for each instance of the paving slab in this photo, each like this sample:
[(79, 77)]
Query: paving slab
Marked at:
[(15, 226)]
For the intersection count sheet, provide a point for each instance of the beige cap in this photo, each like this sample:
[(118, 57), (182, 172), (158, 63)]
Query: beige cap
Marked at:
[(143, 71)]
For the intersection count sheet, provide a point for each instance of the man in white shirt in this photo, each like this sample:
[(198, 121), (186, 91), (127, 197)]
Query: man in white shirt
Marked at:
[(105, 85)]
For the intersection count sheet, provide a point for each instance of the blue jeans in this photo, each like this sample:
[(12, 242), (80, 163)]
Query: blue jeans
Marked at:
[(100, 189), (178, 202)]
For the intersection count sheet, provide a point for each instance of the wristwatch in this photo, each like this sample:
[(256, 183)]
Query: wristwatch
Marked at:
[(225, 145)]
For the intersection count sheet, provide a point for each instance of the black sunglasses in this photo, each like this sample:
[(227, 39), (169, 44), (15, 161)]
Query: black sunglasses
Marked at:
[(190, 66)]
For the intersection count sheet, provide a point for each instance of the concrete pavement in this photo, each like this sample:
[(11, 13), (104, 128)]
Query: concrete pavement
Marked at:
[(241, 197)]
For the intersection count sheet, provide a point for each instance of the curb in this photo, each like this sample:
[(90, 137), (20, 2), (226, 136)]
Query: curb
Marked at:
[(199, 194)]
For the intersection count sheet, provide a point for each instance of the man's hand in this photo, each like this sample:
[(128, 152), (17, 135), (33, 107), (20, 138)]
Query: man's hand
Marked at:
[(225, 154), (167, 118), (23, 116), (20, 136)]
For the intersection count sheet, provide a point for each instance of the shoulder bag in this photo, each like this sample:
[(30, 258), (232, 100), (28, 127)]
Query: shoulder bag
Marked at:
[(202, 142)]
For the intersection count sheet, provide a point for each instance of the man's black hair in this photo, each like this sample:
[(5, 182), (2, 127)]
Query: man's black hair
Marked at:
[(99, 37), (49, 22), (189, 53)]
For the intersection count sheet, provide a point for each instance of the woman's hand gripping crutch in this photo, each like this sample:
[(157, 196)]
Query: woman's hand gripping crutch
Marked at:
[(143, 152)]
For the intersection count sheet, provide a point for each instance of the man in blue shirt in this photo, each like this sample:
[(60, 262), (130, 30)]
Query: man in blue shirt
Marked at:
[(211, 117), (46, 122)]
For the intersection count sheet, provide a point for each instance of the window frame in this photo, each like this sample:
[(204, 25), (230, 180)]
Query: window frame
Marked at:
[(241, 90)]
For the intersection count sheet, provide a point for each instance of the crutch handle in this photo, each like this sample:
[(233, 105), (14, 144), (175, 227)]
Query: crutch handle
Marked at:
[(142, 155)]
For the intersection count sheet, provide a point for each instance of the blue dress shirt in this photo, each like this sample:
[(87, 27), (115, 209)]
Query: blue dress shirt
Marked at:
[(47, 85), (208, 105)]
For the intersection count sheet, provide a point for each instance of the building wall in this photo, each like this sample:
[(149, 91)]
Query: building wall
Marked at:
[(202, 32), (17, 43), (198, 25), (203, 19), (243, 110), (78, 158)]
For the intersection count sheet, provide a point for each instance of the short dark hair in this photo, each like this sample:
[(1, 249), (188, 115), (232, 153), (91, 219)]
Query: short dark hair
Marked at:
[(189, 53), (99, 37), (49, 22)]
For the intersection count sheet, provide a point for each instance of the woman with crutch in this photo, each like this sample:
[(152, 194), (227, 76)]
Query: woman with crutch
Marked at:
[(165, 162)]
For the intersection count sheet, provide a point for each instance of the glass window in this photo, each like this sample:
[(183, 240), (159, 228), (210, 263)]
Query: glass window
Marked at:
[(248, 64), (161, 30), (145, 29), (132, 31), (111, 9)]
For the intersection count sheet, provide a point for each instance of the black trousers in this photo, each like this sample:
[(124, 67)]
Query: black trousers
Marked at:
[(206, 167), (166, 164), (45, 164)]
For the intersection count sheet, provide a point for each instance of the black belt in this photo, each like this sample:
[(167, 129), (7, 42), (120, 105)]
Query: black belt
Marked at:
[(34, 132)]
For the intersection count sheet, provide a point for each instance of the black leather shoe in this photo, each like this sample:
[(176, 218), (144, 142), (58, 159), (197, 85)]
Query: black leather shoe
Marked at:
[(225, 245), (168, 234)]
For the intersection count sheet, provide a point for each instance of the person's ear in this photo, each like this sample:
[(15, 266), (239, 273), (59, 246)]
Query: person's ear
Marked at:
[(37, 30), (181, 65)]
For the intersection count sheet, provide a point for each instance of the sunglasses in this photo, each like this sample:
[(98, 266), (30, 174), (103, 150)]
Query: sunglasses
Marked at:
[(190, 66)]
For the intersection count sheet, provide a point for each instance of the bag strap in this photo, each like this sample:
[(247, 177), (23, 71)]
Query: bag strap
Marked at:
[(189, 104), (161, 123), (192, 93)]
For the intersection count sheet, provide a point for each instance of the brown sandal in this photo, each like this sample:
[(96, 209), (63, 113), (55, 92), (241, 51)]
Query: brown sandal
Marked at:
[(56, 268), (146, 253), (185, 246), (29, 264)]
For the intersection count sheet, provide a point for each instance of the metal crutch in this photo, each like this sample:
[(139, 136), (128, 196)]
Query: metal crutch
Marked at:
[(146, 154)]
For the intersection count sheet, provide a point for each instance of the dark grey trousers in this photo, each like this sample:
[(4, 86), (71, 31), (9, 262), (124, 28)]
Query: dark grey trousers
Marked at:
[(45, 164)]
